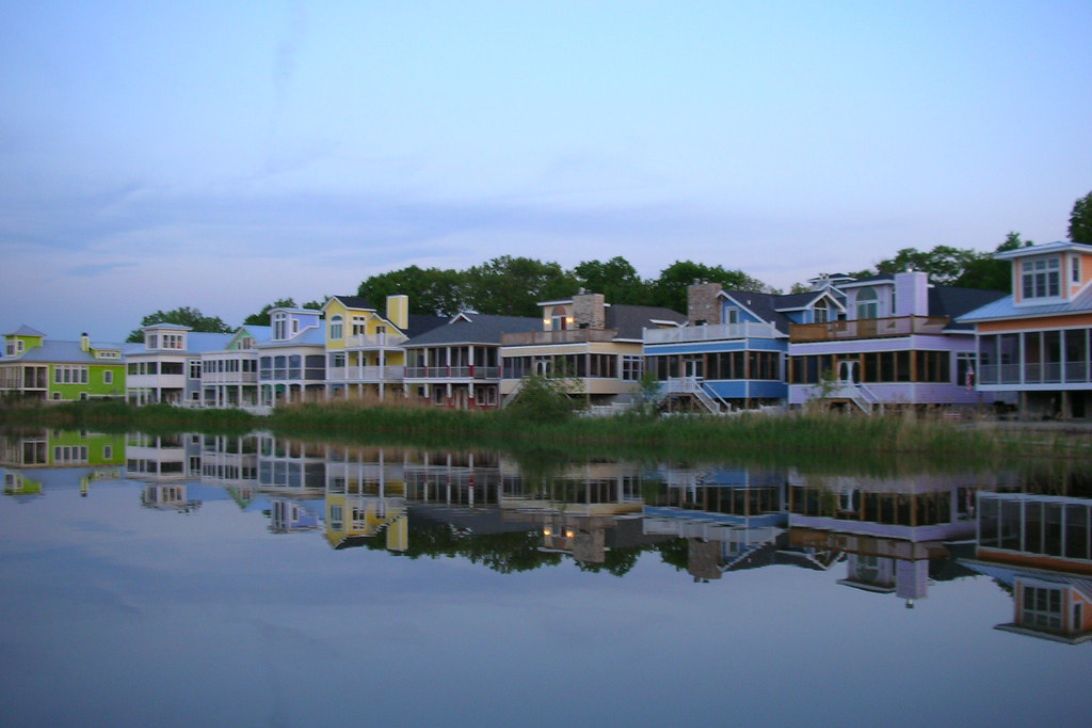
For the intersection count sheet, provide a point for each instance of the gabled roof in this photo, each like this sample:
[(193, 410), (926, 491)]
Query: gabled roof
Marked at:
[(25, 330), (953, 301), (475, 328), (631, 321), (419, 323), (310, 336), (1058, 246), (65, 352), (800, 301), (1006, 308), (763, 306), (351, 302)]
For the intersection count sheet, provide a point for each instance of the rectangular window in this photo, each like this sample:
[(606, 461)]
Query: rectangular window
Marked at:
[(195, 370), (1075, 266), (108, 377), (1041, 278)]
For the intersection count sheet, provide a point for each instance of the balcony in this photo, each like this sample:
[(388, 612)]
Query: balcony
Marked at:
[(565, 336), (378, 341), (713, 332), (878, 328), (446, 372), (229, 378), (365, 374)]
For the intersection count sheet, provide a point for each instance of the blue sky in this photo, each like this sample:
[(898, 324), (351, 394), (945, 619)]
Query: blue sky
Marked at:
[(222, 155)]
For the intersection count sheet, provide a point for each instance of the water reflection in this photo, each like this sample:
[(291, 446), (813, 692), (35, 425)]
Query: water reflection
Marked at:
[(896, 536)]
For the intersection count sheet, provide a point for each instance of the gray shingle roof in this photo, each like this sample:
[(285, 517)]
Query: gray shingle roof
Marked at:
[(953, 301), (355, 302), (765, 305), (420, 323), (480, 329), (631, 321)]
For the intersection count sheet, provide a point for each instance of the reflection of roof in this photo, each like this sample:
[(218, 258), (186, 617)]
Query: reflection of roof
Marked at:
[(475, 328)]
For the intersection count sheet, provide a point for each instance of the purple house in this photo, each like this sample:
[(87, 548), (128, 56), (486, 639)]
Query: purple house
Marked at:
[(898, 346)]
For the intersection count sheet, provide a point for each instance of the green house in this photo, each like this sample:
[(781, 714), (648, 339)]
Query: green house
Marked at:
[(33, 366)]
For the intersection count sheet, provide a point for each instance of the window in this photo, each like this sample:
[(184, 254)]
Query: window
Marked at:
[(631, 368), (10, 348), (821, 312), (731, 315), (359, 325), (868, 304), (107, 377), (1074, 265), (1041, 278), (558, 319), (19, 342), (280, 326), (107, 452), (151, 341), (195, 370), (336, 328)]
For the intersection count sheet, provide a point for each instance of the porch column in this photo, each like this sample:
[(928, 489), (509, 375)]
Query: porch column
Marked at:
[(382, 374)]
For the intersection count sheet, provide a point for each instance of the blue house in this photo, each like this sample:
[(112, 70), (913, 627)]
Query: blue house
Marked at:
[(732, 351)]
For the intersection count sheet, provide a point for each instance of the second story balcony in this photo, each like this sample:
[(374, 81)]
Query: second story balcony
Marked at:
[(873, 328), (374, 341), (365, 374), (564, 336), (710, 332), (208, 378), (453, 372)]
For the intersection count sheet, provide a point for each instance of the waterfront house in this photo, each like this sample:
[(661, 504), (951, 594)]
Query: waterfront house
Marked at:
[(364, 348), (1035, 343), (229, 377), (900, 344), (35, 367), (292, 363), (731, 352), (166, 366), (457, 364), (595, 343)]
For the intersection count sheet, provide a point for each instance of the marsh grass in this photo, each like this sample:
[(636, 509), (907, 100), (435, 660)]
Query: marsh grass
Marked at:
[(879, 444)]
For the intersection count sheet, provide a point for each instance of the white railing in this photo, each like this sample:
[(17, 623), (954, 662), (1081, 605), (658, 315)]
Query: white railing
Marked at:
[(695, 387), (446, 372), (229, 377), (711, 332), (365, 374), (364, 341)]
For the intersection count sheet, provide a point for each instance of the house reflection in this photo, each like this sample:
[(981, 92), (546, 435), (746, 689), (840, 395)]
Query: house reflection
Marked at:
[(292, 516), (168, 497), (894, 531), (1039, 548), (363, 498), (39, 458)]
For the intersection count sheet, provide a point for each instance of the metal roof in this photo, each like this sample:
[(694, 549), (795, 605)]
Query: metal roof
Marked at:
[(1006, 308), (25, 330)]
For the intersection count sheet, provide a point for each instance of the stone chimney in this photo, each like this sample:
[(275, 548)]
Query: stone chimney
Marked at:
[(85, 342), (589, 311), (702, 303)]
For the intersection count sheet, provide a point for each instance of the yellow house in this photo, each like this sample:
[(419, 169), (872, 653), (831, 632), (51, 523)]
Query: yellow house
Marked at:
[(588, 339), (365, 358)]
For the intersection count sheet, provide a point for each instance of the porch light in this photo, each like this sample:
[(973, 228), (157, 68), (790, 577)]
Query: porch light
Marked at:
[(569, 533), (547, 531)]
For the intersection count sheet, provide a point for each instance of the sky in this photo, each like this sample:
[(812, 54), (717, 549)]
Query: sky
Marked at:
[(222, 155)]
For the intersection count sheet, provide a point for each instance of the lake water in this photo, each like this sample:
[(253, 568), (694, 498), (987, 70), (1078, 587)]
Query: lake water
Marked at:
[(253, 581)]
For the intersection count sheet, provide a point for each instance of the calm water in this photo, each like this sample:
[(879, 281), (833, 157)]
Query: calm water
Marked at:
[(251, 581)]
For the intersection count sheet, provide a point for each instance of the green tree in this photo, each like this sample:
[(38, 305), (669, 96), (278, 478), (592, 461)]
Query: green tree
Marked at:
[(669, 290), (184, 316), (430, 290), (616, 279), (984, 271), (1080, 220), (545, 399), (943, 263), (515, 286), (262, 317)]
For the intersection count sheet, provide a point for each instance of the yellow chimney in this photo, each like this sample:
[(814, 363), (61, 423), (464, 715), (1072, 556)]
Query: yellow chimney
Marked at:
[(398, 310), (85, 342)]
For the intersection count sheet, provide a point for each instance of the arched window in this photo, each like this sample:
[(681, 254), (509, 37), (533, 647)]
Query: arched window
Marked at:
[(558, 319), (868, 304), (336, 329)]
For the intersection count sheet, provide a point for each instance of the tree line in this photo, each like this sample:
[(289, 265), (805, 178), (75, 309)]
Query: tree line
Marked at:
[(514, 286)]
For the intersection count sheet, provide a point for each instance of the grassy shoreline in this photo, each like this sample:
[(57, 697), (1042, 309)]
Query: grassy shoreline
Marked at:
[(822, 437)]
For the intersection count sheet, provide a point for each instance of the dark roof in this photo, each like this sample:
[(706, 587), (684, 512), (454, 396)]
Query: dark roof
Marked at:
[(25, 330), (480, 329), (631, 321), (881, 278), (765, 305), (355, 302), (420, 323), (796, 300), (953, 301)]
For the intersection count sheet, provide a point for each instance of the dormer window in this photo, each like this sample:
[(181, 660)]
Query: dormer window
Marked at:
[(868, 304), (821, 312), (280, 326), (1041, 278), (336, 328), (151, 341), (295, 326)]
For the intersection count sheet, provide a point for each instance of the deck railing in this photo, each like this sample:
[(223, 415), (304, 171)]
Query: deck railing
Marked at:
[(867, 328), (454, 372), (365, 374), (710, 332), (565, 336)]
